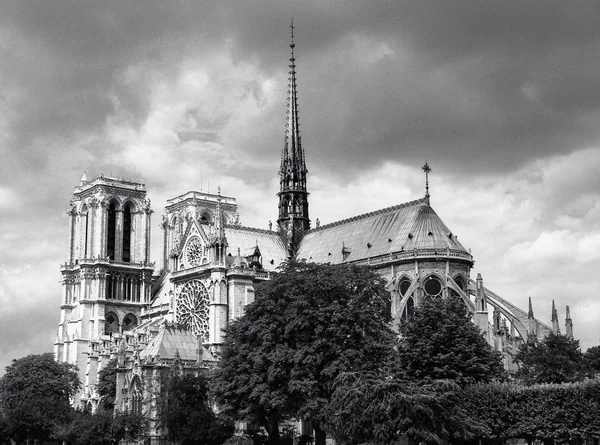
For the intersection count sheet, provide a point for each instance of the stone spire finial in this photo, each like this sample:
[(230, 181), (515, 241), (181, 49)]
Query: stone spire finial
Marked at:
[(530, 313), (555, 327), (569, 324)]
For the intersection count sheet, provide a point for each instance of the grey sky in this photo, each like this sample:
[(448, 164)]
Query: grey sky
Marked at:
[(502, 98)]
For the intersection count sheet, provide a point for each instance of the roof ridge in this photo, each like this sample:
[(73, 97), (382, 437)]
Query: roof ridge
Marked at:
[(251, 229), (369, 214)]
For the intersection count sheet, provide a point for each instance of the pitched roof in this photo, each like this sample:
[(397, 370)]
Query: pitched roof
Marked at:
[(246, 238), (403, 228), (169, 341)]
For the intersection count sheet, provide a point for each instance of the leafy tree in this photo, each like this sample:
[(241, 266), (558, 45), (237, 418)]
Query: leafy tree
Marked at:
[(101, 428), (107, 385), (440, 342), (592, 359), (186, 412), (374, 408), (34, 396), (555, 359), (307, 325)]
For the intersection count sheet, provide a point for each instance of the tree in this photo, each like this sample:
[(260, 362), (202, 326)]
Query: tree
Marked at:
[(107, 385), (185, 411), (440, 342), (592, 359), (101, 428), (555, 359), (307, 325), (34, 395)]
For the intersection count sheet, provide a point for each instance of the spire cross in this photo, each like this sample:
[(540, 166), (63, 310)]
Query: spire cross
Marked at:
[(292, 28), (427, 170)]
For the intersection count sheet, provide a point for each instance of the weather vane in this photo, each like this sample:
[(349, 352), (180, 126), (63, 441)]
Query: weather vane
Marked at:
[(427, 170)]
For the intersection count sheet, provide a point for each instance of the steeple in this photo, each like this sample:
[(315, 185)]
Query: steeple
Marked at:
[(555, 327), (293, 218), (532, 328), (218, 241)]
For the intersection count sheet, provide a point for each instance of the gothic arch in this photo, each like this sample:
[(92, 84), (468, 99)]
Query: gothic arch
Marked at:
[(111, 227), (433, 285), (111, 323), (130, 321), (136, 394), (127, 230)]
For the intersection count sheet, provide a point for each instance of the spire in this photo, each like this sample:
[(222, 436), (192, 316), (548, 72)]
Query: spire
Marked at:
[(219, 229), (427, 170), (530, 313), (555, 327), (293, 218), (568, 324)]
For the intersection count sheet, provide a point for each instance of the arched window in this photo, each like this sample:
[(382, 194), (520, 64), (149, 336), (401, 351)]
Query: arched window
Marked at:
[(129, 322), (432, 286), (111, 323), (404, 286), (111, 231), (85, 230), (136, 396), (127, 234), (461, 284)]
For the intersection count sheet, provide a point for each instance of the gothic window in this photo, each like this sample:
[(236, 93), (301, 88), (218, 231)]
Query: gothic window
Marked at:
[(111, 231), (192, 308), (129, 322), (404, 286), (433, 287), (193, 252), (85, 227), (409, 309), (127, 234), (136, 396), (461, 284), (109, 287), (111, 323)]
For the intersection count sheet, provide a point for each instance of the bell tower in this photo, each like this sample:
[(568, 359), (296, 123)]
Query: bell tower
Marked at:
[(293, 218), (107, 276)]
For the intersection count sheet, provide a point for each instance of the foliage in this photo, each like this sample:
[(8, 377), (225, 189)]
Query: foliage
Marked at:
[(542, 412), (592, 359), (440, 342), (102, 428), (371, 408), (556, 359), (307, 325), (186, 412), (34, 396), (107, 384)]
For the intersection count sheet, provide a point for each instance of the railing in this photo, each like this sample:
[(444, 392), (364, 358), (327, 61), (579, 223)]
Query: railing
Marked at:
[(99, 260), (417, 254)]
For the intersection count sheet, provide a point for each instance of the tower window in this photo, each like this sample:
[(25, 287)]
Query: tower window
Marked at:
[(111, 231), (129, 322), (127, 234)]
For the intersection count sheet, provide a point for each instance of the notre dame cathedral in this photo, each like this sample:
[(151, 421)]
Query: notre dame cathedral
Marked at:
[(116, 305)]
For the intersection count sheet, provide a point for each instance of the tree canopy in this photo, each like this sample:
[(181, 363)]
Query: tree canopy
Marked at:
[(440, 342), (185, 411), (307, 325), (555, 359), (107, 385), (34, 395)]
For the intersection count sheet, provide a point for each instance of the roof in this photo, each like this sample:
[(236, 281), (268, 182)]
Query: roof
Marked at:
[(246, 239), (170, 341), (403, 228)]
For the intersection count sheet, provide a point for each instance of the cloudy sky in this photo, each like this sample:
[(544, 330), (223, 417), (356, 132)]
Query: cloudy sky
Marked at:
[(501, 98)]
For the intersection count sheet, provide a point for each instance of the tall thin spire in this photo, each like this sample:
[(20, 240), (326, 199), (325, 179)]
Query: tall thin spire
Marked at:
[(427, 170), (555, 326), (293, 218), (530, 313), (569, 324)]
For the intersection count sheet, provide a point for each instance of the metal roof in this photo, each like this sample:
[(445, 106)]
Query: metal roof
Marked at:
[(409, 227), (169, 341), (246, 238)]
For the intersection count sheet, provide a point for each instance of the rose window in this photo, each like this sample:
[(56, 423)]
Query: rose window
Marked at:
[(192, 308), (193, 252)]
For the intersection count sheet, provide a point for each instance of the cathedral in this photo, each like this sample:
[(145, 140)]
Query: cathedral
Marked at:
[(115, 304)]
